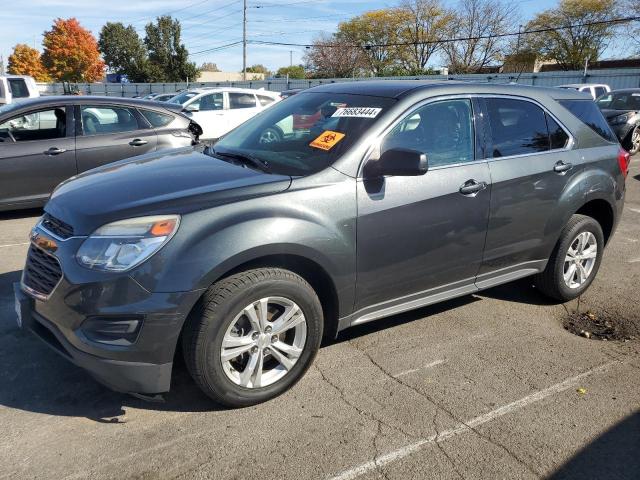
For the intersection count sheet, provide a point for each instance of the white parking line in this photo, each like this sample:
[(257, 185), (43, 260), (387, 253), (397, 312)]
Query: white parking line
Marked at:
[(637, 210), (424, 367), (635, 260), (466, 427), (14, 244)]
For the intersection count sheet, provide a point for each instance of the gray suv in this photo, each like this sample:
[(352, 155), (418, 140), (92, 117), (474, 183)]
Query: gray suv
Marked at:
[(373, 198)]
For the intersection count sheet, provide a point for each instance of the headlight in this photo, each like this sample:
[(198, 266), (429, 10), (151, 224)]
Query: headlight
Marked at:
[(122, 245)]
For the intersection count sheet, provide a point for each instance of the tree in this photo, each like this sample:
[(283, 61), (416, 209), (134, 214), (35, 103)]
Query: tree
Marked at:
[(123, 51), (572, 47), (168, 57), (477, 24), (333, 57), (425, 23), (209, 67), (295, 71), (71, 52), (374, 32), (633, 28), (258, 68), (26, 61)]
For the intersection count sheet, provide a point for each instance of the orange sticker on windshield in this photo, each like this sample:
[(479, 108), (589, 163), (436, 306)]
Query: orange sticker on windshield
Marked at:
[(327, 140)]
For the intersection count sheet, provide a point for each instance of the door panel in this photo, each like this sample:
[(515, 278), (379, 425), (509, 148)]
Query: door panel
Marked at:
[(421, 233), (111, 133), (42, 155), (525, 186)]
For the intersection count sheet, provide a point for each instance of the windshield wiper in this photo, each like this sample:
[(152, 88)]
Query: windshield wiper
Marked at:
[(246, 159)]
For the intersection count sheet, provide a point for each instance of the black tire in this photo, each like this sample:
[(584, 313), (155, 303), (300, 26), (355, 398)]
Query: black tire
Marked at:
[(633, 141), (208, 323), (551, 280)]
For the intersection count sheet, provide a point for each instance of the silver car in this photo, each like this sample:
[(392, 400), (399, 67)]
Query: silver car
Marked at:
[(46, 140)]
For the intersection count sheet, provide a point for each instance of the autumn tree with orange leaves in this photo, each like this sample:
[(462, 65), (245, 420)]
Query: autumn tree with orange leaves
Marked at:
[(26, 61), (71, 52)]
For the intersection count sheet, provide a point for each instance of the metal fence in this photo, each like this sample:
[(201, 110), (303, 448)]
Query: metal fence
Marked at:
[(615, 78)]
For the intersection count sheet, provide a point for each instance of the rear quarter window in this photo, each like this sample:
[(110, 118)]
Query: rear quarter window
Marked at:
[(157, 119), (590, 114)]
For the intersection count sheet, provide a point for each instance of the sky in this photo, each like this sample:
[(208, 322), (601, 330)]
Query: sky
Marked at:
[(208, 24)]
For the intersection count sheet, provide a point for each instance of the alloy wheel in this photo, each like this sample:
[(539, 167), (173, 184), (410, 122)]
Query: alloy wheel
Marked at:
[(263, 342), (580, 259)]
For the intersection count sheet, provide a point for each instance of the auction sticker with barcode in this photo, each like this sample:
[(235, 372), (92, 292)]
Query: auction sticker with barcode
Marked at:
[(327, 140), (358, 112)]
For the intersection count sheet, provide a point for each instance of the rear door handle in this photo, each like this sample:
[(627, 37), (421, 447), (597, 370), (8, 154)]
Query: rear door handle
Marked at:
[(471, 187), (562, 167), (54, 151), (138, 142)]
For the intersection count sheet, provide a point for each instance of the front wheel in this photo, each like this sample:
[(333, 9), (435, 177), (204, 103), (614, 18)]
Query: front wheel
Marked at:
[(253, 336), (575, 260)]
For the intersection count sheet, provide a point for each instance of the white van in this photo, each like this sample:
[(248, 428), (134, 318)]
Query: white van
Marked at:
[(15, 88)]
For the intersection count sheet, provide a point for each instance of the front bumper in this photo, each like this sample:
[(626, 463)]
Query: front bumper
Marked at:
[(82, 299)]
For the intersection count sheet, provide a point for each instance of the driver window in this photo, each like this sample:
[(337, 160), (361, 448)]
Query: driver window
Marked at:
[(41, 125), (443, 130), (210, 102)]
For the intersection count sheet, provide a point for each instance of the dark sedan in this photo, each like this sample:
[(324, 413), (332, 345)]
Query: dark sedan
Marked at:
[(621, 108), (49, 139)]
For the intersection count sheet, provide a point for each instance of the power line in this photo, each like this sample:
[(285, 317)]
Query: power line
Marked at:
[(458, 39), (215, 49), (195, 4)]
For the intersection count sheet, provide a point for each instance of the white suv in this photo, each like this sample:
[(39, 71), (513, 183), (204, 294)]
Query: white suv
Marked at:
[(593, 89), (220, 110)]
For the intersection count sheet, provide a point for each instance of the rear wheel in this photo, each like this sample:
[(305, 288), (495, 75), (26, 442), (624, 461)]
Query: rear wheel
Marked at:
[(254, 336), (575, 260)]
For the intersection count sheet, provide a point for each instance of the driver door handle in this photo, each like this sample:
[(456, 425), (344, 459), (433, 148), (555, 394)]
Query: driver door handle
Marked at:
[(138, 142), (54, 151), (562, 167), (472, 187)]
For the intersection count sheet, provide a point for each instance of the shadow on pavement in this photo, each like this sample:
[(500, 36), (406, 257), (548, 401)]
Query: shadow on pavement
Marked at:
[(35, 378), (15, 214), (613, 455), (520, 291)]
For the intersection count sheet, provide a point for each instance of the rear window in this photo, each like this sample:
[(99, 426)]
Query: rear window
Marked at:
[(157, 119), (588, 113), (264, 100)]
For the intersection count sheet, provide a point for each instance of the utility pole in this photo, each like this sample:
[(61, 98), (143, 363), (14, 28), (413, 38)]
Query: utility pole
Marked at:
[(291, 58), (244, 40)]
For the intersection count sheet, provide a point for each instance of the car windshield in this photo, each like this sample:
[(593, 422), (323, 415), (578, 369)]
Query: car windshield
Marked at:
[(620, 101), (183, 97), (306, 133)]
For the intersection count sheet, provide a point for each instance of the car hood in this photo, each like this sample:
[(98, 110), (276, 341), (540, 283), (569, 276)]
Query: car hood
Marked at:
[(172, 181), (609, 113)]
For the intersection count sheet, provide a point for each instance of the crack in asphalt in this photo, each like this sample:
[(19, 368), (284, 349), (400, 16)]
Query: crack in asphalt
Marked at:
[(440, 447), (368, 414), (447, 411)]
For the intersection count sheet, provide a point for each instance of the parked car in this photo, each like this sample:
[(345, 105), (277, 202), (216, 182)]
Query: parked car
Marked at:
[(621, 108), (164, 97), (289, 93), (413, 193), (593, 89), (17, 88), (46, 140), (220, 110)]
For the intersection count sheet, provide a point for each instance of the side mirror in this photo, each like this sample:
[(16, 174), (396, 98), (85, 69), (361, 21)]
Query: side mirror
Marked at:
[(191, 108), (401, 162)]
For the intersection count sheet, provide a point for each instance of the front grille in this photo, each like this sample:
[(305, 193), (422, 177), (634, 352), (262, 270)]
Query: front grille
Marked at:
[(57, 227), (42, 271)]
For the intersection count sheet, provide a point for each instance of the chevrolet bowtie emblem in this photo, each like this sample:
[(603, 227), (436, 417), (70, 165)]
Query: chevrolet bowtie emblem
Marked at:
[(43, 242)]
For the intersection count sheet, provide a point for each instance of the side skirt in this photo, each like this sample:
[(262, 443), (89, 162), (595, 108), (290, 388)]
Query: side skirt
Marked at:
[(441, 294)]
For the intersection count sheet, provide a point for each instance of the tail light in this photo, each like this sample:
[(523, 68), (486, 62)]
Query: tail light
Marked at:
[(623, 161)]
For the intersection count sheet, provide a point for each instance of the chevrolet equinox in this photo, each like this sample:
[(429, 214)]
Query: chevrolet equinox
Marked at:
[(341, 205)]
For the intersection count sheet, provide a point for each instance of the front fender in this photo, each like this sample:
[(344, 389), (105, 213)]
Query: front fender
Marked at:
[(314, 220)]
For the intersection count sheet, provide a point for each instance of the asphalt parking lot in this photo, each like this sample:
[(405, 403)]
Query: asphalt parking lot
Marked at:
[(487, 386)]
